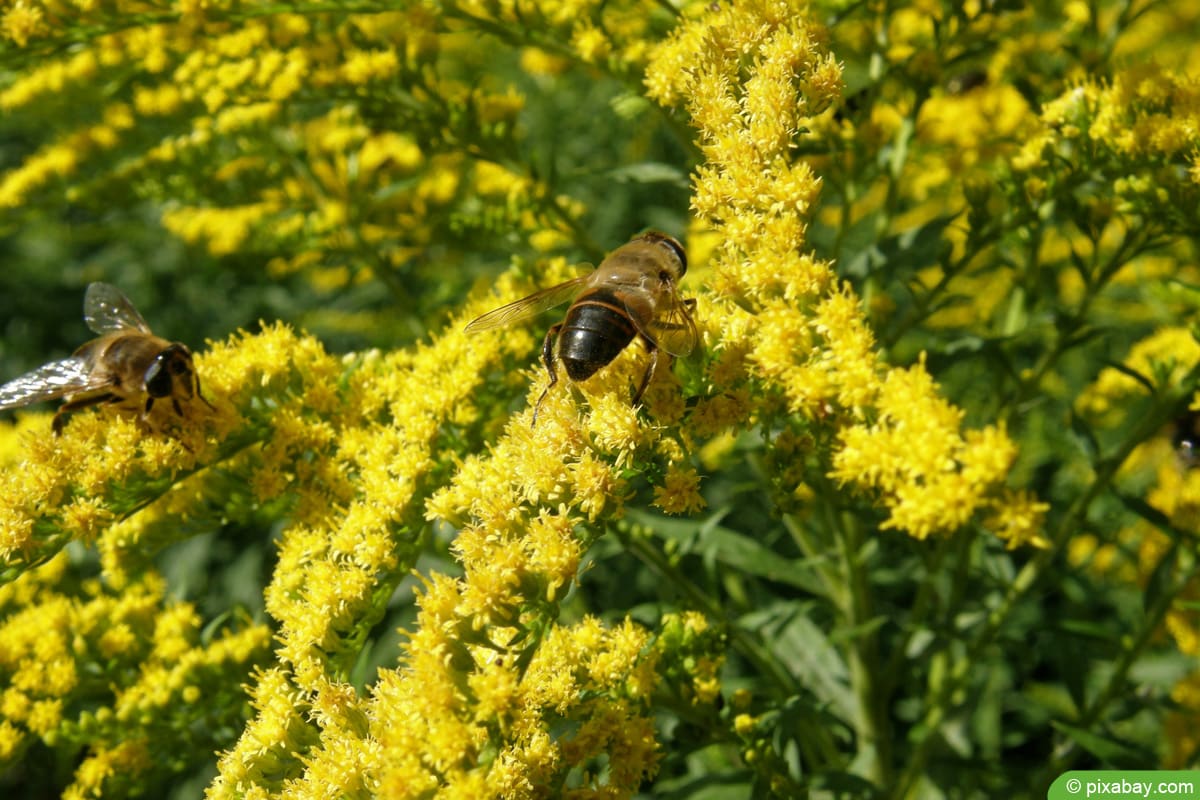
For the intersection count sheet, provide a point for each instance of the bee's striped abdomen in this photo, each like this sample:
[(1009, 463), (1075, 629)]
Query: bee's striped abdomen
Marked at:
[(596, 329)]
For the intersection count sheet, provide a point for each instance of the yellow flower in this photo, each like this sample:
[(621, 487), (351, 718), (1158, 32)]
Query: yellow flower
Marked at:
[(591, 43), (1018, 518), (537, 61), (553, 551), (363, 66), (22, 21), (1164, 357), (11, 740), (680, 492)]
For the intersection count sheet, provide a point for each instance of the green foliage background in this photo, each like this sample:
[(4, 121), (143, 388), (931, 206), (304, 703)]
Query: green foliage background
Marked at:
[(985, 670)]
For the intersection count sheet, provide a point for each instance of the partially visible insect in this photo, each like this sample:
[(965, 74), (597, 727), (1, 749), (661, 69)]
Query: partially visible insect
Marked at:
[(964, 82), (127, 366), (1186, 438), (633, 293)]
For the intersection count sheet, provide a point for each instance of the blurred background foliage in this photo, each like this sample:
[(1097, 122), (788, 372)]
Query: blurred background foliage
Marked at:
[(604, 161), (1019, 285)]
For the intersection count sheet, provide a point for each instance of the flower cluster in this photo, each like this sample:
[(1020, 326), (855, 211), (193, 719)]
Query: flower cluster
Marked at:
[(119, 673), (609, 594), (1140, 552), (489, 728), (934, 479), (615, 36), (752, 78), (344, 449), (1136, 132), (345, 191)]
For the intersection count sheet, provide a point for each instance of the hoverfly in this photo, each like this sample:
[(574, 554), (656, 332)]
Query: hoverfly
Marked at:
[(127, 366), (631, 294)]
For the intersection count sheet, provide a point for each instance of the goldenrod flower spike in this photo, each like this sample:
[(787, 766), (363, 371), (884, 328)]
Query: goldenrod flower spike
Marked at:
[(381, 146), (752, 76), (61, 633)]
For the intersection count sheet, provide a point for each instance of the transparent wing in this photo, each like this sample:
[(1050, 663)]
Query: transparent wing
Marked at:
[(529, 306), (673, 328), (106, 310), (47, 382)]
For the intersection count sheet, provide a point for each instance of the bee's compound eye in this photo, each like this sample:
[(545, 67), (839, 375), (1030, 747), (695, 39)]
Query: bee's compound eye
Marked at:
[(157, 379), (674, 246), (177, 359)]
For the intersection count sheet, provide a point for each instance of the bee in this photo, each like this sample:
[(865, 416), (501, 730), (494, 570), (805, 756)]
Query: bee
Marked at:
[(632, 294), (126, 366)]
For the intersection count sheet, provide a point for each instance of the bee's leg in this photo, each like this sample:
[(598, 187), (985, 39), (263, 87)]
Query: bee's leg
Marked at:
[(689, 305), (651, 368), (144, 417), (60, 417), (548, 360), (197, 392), (172, 432)]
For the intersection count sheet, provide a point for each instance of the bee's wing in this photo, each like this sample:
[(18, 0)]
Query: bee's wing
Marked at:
[(673, 328), (106, 310), (529, 306), (47, 382)]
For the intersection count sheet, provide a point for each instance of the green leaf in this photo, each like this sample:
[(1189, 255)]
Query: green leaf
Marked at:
[(650, 172), (1105, 748), (900, 254), (715, 543), (1084, 436), (1100, 631), (729, 786), (804, 649), (1131, 373), (852, 632)]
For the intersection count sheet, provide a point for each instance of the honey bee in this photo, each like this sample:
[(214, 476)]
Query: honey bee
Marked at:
[(631, 294), (126, 366)]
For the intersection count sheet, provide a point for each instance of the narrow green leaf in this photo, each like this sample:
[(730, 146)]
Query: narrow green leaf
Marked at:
[(650, 172), (1152, 515), (1105, 748), (804, 649), (716, 543)]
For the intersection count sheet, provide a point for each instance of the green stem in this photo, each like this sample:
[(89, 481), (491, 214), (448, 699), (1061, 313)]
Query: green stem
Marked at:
[(1064, 334), (872, 725), (922, 607), (831, 579), (750, 648), (813, 733), (1151, 625), (1029, 576)]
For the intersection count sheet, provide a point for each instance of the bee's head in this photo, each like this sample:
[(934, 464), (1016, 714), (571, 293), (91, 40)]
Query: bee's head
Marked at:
[(172, 367), (672, 245)]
